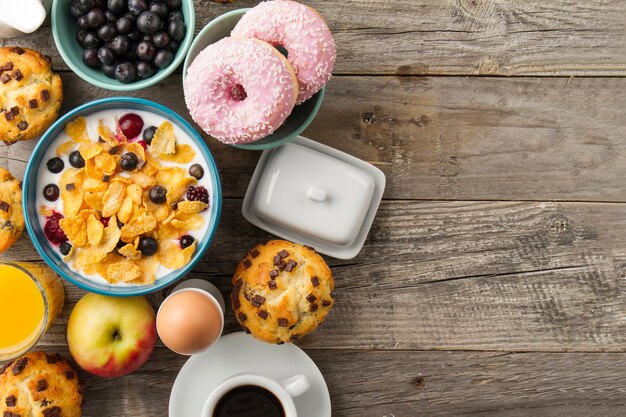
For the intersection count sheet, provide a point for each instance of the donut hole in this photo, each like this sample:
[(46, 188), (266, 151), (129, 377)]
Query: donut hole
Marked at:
[(282, 50), (237, 92)]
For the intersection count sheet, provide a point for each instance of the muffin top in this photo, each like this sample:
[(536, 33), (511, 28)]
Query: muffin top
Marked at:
[(40, 385), (281, 291), (11, 216), (30, 93)]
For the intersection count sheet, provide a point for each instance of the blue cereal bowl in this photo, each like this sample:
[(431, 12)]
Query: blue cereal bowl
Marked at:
[(51, 255)]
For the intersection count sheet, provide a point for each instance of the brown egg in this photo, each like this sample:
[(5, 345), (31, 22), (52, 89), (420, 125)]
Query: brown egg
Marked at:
[(189, 321)]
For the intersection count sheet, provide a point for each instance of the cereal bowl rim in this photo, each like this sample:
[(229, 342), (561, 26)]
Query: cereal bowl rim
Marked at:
[(29, 198), (113, 84)]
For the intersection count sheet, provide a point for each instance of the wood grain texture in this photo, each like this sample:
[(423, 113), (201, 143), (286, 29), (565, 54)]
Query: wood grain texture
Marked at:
[(449, 138), (456, 37), (377, 384), (454, 275)]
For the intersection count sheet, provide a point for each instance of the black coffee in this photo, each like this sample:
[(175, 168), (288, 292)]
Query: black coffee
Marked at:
[(249, 401)]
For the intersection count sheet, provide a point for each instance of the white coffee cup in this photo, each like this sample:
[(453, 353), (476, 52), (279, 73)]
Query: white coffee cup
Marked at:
[(285, 391)]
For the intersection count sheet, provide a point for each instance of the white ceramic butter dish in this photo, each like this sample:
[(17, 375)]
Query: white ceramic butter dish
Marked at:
[(315, 195)]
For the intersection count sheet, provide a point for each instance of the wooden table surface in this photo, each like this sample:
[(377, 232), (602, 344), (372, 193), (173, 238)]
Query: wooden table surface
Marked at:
[(493, 282)]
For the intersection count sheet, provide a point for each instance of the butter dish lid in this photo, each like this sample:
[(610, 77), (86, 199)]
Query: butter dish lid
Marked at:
[(315, 195)]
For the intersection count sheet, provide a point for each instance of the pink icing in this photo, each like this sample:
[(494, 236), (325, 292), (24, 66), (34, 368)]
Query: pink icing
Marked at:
[(302, 32), (240, 90)]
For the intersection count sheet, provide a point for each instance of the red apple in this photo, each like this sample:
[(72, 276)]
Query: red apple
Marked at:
[(111, 336)]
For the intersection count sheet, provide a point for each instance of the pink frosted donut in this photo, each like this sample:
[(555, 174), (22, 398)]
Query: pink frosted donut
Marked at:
[(302, 32), (240, 90)]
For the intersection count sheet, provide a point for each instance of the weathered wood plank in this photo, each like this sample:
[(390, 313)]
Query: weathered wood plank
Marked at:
[(375, 383), (447, 137), (455, 275), (456, 37)]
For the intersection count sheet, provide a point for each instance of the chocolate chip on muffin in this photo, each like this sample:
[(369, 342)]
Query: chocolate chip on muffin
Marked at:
[(279, 290)]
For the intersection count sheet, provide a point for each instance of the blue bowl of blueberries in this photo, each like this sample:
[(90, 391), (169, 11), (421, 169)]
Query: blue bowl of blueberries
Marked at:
[(123, 45)]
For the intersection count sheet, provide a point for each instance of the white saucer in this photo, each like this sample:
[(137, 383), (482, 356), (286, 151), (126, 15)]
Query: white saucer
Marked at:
[(239, 352)]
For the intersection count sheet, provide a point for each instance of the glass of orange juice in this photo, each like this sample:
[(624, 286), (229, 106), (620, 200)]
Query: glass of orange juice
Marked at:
[(31, 297)]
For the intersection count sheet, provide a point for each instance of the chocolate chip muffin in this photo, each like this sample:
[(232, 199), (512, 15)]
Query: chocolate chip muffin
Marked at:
[(11, 217), (30, 94), (281, 291), (40, 385)]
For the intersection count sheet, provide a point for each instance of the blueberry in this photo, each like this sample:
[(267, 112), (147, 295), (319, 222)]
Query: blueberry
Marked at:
[(116, 6), (137, 7), (176, 29), (86, 5), (148, 134), (131, 55), (163, 58), (96, 18), (106, 55), (173, 4), (129, 160), (161, 39), (65, 248), (90, 57), (124, 25), (111, 17), (107, 32), (159, 8), (135, 36), (75, 9), (51, 192), (120, 44), (146, 51), (55, 165), (80, 37), (145, 70), (158, 194), (76, 160), (108, 70), (148, 246), (146, 38), (173, 46), (125, 72), (149, 23), (186, 241), (176, 15), (196, 171), (100, 4), (82, 23), (91, 40)]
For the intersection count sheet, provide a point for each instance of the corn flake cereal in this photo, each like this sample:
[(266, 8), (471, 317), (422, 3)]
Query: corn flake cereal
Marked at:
[(122, 271), (183, 154), (142, 222), (172, 256), (108, 211), (75, 229), (65, 148), (129, 251), (77, 130), (164, 141), (95, 230), (113, 199), (190, 207)]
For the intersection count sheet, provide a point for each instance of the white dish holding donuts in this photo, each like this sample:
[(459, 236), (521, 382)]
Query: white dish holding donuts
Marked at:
[(242, 90)]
